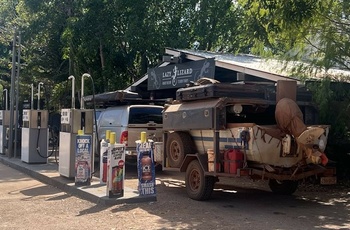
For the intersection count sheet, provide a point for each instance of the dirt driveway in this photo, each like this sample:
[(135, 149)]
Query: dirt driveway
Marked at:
[(28, 204)]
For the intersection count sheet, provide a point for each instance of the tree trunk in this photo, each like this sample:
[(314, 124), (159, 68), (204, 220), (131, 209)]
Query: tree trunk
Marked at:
[(104, 86)]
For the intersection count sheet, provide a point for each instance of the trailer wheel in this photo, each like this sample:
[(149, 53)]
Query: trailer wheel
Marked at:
[(285, 187), (198, 186), (178, 145)]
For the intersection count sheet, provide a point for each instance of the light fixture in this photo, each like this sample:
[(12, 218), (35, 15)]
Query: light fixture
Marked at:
[(237, 108)]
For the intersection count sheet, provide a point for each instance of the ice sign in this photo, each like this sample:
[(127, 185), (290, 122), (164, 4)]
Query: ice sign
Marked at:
[(25, 115), (65, 116)]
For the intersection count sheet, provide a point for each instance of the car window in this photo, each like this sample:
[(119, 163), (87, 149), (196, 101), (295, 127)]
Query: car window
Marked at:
[(144, 115), (110, 117)]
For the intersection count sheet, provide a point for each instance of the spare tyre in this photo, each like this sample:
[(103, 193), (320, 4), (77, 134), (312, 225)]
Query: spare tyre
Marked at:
[(285, 187), (178, 145)]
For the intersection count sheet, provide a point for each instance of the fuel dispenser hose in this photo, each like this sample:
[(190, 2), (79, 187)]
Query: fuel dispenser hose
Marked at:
[(38, 147), (54, 141), (95, 122)]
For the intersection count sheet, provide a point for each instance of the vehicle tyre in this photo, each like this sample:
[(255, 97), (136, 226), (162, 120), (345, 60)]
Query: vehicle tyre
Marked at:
[(130, 162), (178, 145), (285, 187), (158, 167), (198, 186)]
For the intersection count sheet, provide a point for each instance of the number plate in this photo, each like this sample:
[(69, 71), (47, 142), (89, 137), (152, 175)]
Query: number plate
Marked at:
[(328, 180)]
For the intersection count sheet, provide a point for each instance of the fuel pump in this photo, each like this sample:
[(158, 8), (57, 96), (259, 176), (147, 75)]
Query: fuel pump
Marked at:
[(72, 120), (6, 114), (35, 134)]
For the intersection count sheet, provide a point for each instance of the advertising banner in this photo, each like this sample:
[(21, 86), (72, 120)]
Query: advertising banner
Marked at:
[(145, 168), (83, 156), (178, 75), (104, 146), (1, 132), (116, 171)]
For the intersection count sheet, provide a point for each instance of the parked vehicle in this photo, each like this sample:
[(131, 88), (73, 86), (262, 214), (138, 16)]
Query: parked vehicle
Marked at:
[(128, 121), (126, 114), (210, 134)]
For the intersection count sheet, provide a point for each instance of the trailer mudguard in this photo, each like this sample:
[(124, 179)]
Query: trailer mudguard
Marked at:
[(202, 158)]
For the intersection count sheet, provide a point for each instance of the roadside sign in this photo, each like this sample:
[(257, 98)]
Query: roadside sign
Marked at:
[(116, 171), (145, 168), (83, 152)]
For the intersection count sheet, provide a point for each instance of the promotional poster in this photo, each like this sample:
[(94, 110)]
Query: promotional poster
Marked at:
[(103, 161), (146, 169), (83, 153), (116, 171)]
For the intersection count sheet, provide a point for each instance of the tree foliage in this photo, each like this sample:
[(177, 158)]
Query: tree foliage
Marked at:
[(313, 31), (315, 34), (117, 41)]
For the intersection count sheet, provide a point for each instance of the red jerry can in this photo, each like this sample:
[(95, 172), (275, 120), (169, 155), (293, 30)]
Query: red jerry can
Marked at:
[(233, 160)]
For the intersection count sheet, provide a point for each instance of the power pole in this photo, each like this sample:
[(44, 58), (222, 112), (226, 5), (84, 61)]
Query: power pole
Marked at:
[(14, 75), (17, 90)]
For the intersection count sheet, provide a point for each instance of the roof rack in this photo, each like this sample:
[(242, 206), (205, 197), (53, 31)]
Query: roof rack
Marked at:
[(119, 97)]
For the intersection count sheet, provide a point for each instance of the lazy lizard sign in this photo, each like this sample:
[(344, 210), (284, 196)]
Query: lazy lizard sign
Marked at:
[(178, 75)]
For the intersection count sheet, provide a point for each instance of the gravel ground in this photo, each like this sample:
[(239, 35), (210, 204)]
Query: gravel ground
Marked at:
[(26, 203)]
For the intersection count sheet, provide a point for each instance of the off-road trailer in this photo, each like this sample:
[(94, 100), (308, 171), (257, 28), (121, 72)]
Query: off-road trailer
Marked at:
[(204, 139)]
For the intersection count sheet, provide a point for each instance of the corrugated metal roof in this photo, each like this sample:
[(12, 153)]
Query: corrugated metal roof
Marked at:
[(271, 69), (248, 64)]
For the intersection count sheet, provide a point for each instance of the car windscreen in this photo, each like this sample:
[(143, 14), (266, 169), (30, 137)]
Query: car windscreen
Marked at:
[(97, 114), (144, 115)]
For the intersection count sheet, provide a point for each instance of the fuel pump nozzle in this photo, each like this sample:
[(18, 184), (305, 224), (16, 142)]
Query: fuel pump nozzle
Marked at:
[(71, 77), (40, 83), (82, 90), (39, 113), (6, 99), (32, 97)]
